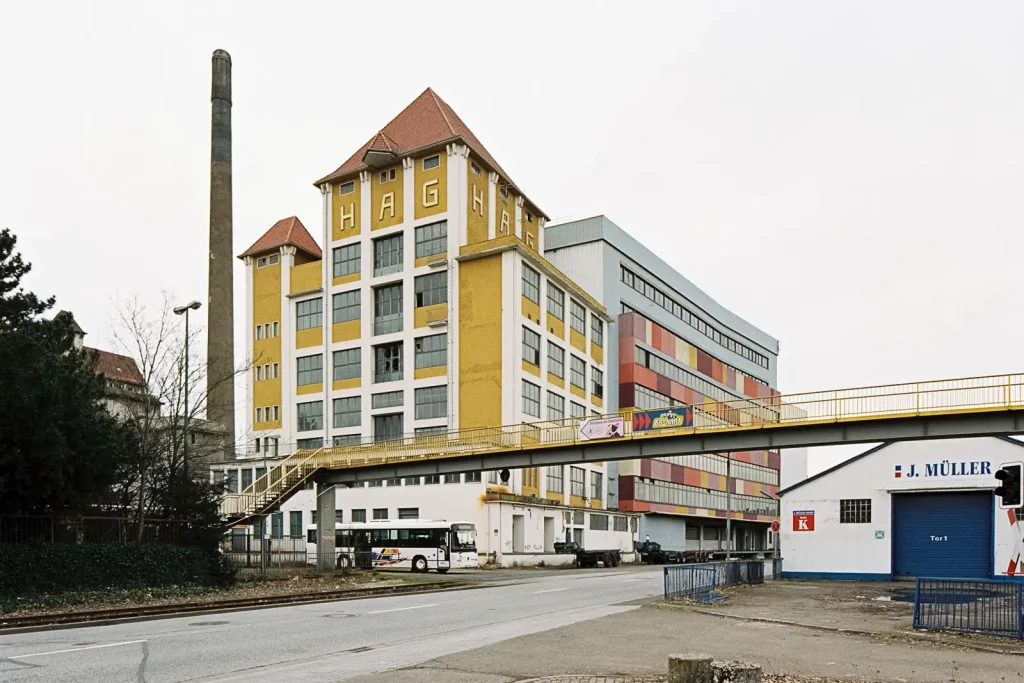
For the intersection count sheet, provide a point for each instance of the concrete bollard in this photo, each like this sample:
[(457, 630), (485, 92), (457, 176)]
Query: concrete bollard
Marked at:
[(690, 668), (736, 672)]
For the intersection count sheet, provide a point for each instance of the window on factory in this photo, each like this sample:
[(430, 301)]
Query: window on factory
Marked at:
[(348, 364), (578, 479), (431, 289), (259, 332), (275, 328), (555, 480), (358, 515), (259, 414), (386, 177), (577, 317), (531, 284), (347, 412), (295, 524), (577, 372), (598, 382), (556, 360), (387, 362), (408, 513), (531, 347), (347, 188), (274, 259), (347, 306), (309, 314), (451, 478), (431, 162), (598, 522), (432, 402), (261, 262), (576, 410), (348, 440), (259, 373), (275, 370), (855, 511), (427, 431), (657, 491), (347, 260), (310, 370), (309, 444), (431, 479), (556, 406), (432, 239), (556, 302), (387, 427), (622, 524), (388, 255), (531, 399), (432, 351), (596, 486), (310, 416), (387, 309), (596, 330), (387, 399), (380, 514), (475, 169)]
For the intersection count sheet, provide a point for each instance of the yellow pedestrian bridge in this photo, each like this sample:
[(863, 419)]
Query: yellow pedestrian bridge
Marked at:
[(954, 408)]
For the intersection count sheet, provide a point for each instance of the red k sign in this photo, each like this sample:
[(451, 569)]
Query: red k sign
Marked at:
[(803, 520)]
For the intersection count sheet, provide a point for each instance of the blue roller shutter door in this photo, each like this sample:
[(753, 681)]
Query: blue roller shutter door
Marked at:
[(944, 535)]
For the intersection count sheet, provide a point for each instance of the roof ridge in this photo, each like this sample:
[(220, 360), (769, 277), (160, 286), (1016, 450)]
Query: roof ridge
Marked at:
[(437, 103)]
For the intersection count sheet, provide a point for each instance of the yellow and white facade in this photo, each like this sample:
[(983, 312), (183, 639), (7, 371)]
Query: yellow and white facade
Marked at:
[(432, 309)]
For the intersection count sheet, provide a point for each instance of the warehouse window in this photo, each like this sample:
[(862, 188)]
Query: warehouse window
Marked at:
[(531, 399), (622, 524), (310, 370), (599, 522), (431, 402), (347, 306), (347, 364), (556, 302), (577, 317), (347, 260), (556, 360), (531, 284), (531, 347), (432, 239), (308, 314), (555, 475), (431, 352), (347, 413), (431, 289), (577, 477), (855, 511)]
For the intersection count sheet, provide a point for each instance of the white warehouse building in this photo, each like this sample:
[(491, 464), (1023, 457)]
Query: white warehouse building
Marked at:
[(905, 510)]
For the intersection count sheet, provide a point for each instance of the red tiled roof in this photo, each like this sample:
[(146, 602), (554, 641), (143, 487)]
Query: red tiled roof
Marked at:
[(426, 122), (116, 367), (287, 231)]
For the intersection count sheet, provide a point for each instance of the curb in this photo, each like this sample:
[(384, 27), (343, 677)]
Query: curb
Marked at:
[(857, 632), (213, 608)]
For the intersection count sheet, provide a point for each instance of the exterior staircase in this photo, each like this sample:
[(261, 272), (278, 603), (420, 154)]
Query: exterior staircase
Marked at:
[(267, 493)]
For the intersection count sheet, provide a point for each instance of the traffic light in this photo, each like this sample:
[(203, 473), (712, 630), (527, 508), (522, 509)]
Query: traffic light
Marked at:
[(1011, 484)]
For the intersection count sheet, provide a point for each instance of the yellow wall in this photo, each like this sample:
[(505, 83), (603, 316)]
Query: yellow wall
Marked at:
[(431, 187), (576, 391), (347, 204), (531, 481), (530, 228), (556, 380), (266, 308), (309, 389), (304, 339), (508, 206), (341, 384), (531, 368), (577, 340), (576, 502), (476, 211), (379, 193), (596, 352), (556, 326), (346, 331), (595, 504), (345, 279), (426, 373), (429, 314), (306, 277), (599, 402), (530, 310), (480, 343)]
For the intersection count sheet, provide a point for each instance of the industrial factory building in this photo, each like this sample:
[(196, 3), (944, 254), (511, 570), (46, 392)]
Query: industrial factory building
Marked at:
[(905, 510)]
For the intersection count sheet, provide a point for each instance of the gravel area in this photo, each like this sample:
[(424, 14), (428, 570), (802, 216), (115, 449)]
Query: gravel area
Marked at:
[(246, 589)]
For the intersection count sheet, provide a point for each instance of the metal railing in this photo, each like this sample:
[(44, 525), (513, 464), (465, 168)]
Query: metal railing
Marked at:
[(970, 605), (697, 581), (973, 394)]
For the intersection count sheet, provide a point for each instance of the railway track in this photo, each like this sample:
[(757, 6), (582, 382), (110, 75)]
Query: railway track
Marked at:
[(41, 622)]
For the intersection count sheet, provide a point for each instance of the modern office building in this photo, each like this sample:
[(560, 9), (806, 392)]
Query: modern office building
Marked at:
[(675, 345), (431, 308)]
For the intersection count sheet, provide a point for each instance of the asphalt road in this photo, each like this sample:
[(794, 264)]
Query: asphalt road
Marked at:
[(329, 641)]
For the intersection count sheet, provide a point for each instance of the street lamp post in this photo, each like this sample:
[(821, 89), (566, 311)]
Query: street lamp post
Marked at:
[(183, 310)]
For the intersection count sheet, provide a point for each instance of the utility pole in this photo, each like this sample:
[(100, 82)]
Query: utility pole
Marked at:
[(183, 310), (728, 507)]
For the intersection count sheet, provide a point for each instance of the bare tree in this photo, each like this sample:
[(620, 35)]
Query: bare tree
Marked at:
[(170, 475)]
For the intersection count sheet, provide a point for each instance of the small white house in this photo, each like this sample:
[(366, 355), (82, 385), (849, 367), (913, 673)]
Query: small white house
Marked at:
[(903, 510)]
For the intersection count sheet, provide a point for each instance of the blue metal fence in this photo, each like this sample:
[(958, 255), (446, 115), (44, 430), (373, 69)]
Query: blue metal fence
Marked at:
[(697, 581), (970, 605)]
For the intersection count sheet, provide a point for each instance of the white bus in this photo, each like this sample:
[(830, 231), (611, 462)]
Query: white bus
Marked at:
[(416, 544)]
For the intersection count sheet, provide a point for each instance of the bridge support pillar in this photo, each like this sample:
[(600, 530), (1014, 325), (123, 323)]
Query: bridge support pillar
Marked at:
[(325, 506)]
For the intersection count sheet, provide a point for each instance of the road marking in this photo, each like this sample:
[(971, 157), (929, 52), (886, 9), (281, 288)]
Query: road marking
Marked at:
[(631, 580), (75, 649), (550, 590), (401, 609)]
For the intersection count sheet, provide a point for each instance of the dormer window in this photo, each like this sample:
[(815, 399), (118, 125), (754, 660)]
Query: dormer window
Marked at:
[(431, 162), (274, 259), (347, 188), (261, 262), (388, 176), (475, 169)]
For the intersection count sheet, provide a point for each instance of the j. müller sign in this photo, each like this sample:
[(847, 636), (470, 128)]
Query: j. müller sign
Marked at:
[(945, 468)]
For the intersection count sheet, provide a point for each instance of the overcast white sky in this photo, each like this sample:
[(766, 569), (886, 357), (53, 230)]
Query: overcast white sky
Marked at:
[(845, 175)]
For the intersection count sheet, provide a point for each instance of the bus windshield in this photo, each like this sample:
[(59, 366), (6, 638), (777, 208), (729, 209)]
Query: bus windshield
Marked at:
[(463, 537)]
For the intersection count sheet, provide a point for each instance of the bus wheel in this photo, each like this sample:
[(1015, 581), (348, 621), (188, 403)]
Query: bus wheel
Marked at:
[(419, 564), (442, 570)]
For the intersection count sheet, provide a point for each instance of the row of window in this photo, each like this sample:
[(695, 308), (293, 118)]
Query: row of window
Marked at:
[(271, 260), (578, 483), (600, 522), (268, 414), (555, 404), (267, 371), (718, 464), (639, 284), (389, 252), (556, 306), (657, 491), (267, 330), (430, 403), (429, 290), (430, 352), (556, 363)]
